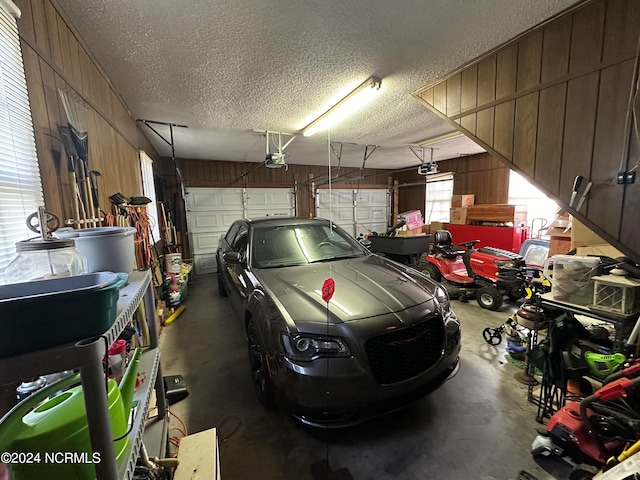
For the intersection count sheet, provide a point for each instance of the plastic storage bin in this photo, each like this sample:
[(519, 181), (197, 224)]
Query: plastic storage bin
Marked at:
[(47, 313), (571, 278)]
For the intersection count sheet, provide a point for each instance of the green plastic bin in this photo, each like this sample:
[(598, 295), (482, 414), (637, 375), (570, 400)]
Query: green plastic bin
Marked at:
[(46, 313)]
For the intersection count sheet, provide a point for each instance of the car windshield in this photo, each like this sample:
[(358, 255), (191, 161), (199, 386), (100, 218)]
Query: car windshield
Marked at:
[(289, 245)]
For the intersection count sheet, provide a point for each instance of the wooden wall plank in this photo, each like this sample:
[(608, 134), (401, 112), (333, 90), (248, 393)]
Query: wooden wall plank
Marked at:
[(503, 129), (610, 139), (525, 134), (550, 133), (529, 61), (65, 50), (631, 207), (40, 28), (484, 126), (487, 80), (51, 17), (440, 96), (579, 128), (586, 37), (555, 49), (621, 31), (74, 53), (506, 71), (25, 22), (469, 88), (469, 123), (453, 95), (48, 162)]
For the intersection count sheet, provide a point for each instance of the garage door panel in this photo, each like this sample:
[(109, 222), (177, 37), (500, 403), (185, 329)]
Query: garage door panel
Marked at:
[(372, 198), (212, 221), (200, 199)]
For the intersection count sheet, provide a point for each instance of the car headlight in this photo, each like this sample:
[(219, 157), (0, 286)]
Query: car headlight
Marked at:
[(443, 298), (305, 347)]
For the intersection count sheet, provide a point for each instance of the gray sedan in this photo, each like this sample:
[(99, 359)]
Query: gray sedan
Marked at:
[(385, 337)]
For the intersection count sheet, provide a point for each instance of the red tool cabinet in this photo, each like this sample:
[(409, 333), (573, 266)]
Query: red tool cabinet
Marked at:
[(507, 238)]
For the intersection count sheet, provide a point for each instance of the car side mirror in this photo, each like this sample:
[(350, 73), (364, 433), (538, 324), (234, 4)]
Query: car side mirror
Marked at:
[(232, 257)]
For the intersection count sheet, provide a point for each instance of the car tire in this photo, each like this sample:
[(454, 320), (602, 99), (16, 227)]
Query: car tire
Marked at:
[(258, 366), (222, 291), (489, 297), (431, 271)]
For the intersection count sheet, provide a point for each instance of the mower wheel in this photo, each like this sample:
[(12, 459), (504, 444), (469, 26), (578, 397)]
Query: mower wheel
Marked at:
[(431, 271), (583, 472), (489, 297)]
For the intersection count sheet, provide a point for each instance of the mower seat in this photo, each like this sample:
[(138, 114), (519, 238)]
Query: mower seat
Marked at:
[(443, 244)]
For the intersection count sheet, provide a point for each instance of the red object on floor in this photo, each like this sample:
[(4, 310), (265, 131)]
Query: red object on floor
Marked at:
[(506, 238)]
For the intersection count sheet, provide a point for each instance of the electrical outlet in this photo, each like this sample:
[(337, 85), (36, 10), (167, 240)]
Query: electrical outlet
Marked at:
[(630, 177), (622, 178)]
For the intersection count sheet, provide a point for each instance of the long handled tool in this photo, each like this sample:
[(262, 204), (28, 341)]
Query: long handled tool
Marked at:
[(70, 148)]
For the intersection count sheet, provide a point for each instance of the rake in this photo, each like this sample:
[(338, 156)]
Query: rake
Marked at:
[(76, 110)]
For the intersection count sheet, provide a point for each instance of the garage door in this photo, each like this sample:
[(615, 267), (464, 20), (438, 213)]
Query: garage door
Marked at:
[(355, 211), (211, 211)]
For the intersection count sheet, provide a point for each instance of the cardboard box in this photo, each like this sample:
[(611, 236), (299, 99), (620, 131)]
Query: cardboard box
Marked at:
[(604, 249), (413, 218), (583, 236), (458, 201), (559, 246), (410, 232), (459, 215), (435, 226)]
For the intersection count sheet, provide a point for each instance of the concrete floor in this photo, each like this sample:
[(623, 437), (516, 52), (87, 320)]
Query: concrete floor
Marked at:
[(478, 425)]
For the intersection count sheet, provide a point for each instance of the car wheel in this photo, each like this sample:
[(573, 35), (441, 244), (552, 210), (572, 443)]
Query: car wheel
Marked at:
[(258, 366), (489, 298), (222, 291), (431, 271)]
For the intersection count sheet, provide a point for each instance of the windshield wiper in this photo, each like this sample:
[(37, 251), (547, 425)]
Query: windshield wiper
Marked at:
[(336, 257)]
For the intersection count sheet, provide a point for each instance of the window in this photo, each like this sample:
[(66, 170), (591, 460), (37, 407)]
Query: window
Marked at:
[(149, 189), (439, 191), (20, 186), (539, 207)]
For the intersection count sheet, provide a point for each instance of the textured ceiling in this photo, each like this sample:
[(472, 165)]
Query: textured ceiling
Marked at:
[(226, 68)]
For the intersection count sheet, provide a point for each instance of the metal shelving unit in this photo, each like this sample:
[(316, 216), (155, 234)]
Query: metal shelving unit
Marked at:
[(87, 355)]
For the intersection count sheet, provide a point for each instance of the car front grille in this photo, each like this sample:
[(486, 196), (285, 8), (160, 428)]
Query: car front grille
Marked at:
[(404, 353)]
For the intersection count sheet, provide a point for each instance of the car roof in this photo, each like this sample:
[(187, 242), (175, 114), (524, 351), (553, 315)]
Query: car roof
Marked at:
[(282, 221)]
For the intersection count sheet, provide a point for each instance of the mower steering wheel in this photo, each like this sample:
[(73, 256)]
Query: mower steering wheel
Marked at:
[(491, 336)]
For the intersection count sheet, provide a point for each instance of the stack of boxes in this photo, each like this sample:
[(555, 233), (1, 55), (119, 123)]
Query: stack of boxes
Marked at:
[(460, 208)]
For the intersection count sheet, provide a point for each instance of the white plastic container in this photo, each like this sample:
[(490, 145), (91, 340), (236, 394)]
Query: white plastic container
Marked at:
[(173, 263), (571, 278), (108, 249)]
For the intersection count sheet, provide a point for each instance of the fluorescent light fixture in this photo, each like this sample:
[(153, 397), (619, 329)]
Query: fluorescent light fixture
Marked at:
[(440, 138), (345, 107)]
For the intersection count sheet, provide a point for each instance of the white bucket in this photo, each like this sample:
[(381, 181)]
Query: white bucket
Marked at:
[(108, 249), (173, 263)]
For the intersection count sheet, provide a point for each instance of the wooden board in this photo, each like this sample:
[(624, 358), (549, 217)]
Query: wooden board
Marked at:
[(199, 457), (515, 214)]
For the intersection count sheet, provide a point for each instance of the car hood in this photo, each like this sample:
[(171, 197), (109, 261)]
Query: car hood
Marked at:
[(364, 287)]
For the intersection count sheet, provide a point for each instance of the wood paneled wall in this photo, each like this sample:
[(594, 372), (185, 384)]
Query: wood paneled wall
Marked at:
[(56, 57), (554, 104), (212, 173), (482, 175)]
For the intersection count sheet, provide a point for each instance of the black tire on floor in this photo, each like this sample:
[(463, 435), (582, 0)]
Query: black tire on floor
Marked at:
[(430, 270), (259, 369), (491, 337), (489, 297)]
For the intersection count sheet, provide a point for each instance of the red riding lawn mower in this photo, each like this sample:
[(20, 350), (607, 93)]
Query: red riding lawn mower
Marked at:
[(487, 273)]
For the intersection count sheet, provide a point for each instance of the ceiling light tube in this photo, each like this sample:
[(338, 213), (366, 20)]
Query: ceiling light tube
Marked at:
[(345, 107)]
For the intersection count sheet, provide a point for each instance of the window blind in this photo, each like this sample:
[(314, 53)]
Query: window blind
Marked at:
[(20, 185), (149, 189)]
